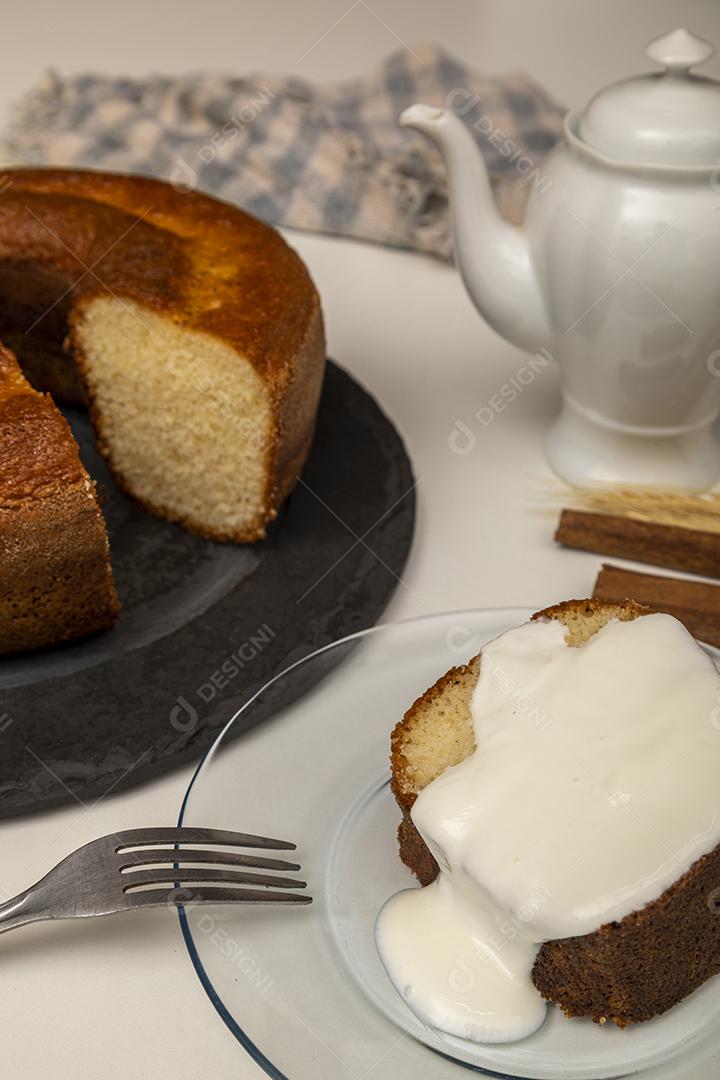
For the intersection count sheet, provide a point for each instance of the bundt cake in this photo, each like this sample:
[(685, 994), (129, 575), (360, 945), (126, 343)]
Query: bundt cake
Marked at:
[(629, 969), (192, 331), (55, 576)]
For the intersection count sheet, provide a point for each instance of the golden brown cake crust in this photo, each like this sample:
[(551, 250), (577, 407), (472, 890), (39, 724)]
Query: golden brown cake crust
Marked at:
[(625, 971), (203, 263), (215, 268), (55, 576), (590, 607)]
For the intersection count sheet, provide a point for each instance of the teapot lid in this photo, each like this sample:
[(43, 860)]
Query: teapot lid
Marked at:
[(671, 117)]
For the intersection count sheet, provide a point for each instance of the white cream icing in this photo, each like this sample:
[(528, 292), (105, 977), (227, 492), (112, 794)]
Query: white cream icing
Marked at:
[(595, 786)]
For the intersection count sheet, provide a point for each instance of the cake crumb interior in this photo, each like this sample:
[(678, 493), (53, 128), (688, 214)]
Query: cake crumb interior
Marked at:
[(176, 455)]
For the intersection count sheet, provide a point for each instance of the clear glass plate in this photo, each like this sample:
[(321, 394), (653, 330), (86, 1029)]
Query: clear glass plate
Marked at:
[(303, 989)]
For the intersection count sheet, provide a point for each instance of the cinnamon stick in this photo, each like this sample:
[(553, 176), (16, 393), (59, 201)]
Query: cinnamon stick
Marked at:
[(672, 546), (695, 603)]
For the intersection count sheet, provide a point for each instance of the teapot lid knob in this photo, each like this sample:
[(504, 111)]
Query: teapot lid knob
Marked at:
[(679, 50)]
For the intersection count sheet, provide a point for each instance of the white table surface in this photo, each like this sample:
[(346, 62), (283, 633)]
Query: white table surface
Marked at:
[(118, 998)]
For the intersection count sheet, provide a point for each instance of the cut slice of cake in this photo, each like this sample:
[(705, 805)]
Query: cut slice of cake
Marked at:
[(55, 577), (627, 970)]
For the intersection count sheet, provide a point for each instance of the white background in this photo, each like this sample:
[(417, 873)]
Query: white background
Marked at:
[(119, 998)]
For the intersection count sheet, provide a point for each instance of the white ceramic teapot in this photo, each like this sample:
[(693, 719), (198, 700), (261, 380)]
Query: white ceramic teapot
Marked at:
[(616, 272)]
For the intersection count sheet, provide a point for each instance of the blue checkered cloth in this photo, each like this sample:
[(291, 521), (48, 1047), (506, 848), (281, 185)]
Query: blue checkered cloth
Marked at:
[(327, 158)]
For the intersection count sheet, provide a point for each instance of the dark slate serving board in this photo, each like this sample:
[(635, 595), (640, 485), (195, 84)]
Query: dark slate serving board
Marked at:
[(204, 625)]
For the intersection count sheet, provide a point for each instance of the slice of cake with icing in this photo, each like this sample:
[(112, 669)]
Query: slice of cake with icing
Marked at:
[(566, 785)]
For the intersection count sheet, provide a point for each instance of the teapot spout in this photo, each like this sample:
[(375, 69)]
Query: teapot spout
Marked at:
[(493, 255)]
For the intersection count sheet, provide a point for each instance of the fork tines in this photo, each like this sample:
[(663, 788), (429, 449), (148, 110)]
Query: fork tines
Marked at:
[(156, 870), (186, 834)]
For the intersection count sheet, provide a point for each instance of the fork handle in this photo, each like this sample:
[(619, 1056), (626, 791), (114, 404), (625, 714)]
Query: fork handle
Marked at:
[(20, 910)]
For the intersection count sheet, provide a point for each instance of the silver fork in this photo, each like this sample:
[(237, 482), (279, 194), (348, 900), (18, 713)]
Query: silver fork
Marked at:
[(142, 868)]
